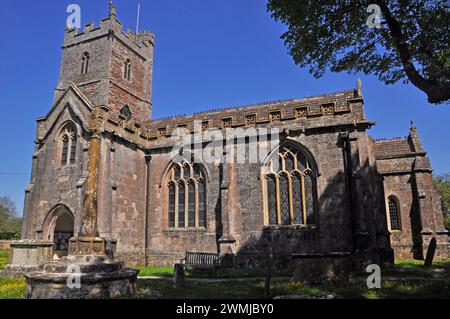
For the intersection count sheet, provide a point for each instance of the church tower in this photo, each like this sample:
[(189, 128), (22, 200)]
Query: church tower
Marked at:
[(111, 67)]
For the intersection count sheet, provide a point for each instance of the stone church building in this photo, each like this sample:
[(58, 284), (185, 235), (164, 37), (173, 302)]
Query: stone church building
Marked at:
[(326, 190)]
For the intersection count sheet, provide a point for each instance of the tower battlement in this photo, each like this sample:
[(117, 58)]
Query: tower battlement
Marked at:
[(139, 42)]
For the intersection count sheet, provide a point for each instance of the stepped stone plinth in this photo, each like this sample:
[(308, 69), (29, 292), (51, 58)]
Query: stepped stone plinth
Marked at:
[(81, 275)]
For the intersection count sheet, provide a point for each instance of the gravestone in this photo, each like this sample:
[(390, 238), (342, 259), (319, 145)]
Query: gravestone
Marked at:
[(179, 279), (430, 253)]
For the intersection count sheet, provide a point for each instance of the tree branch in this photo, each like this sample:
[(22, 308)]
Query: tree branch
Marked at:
[(435, 91)]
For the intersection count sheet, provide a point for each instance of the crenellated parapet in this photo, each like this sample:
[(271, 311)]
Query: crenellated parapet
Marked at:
[(141, 42), (312, 112)]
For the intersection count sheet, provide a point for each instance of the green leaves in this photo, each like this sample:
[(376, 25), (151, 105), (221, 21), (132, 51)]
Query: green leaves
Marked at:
[(10, 224), (411, 45), (442, 184)]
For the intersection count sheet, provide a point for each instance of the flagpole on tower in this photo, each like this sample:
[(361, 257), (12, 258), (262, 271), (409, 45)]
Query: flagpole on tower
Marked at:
[(137, 21)]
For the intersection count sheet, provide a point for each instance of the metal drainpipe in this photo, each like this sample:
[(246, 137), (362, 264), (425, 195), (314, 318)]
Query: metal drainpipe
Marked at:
[(345, 137), (148, 161)]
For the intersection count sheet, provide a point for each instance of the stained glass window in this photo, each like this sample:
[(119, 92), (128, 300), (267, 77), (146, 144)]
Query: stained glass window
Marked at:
[(201, 205), (272, 197), (68, 145), (186, 172), (73, 149), (192, 207), (297, 200), (284, 200), (309, 199), (181, 207), (65, 149), (171, 205), (293, 199)]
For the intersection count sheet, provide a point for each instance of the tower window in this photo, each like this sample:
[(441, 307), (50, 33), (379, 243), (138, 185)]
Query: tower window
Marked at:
[(394, 213), (127, 70), (291, 188), (85, 63)]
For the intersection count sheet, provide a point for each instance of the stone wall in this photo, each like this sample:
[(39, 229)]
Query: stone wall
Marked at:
[(5, 244), (122, 193), (245, 217), (52, 184), (407, 177)]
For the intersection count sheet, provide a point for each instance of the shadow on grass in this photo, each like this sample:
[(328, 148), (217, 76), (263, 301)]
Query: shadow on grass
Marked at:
[(163, 289), (167, 271)]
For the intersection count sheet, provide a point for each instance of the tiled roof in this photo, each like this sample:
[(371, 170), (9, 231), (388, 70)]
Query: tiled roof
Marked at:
[(392, 148)]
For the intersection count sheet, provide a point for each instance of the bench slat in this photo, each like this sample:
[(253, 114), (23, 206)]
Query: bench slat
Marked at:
[(202, 259)]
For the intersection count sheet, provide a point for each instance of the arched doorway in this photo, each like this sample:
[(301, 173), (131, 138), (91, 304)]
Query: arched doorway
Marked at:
[(59, 228)]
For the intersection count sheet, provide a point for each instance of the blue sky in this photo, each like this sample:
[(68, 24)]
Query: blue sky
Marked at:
[(209, 54)]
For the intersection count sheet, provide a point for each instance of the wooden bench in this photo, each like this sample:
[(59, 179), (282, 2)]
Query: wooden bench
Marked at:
[(201, 260)]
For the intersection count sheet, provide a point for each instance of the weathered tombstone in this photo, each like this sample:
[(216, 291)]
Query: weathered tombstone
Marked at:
[(430, 253), (178, 276)]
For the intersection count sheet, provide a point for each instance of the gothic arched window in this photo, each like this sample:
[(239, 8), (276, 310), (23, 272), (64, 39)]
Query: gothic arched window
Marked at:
[(291, 188), (186, 196), (68, 140), (394, 213), (85, 63), (127, 70)]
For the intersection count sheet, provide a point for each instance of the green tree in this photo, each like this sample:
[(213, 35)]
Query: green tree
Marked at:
[(412, 43), (442, 184), (10, 223)]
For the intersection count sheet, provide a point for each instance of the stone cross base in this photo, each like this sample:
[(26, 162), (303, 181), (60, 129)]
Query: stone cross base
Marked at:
[(80, 246), (89, 272), (82, 277)]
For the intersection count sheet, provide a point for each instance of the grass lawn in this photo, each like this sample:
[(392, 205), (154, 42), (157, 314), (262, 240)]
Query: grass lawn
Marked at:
[(405, 287), (163, 271), (167, 271), (12, 288), (255, 289), (4, 256)]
